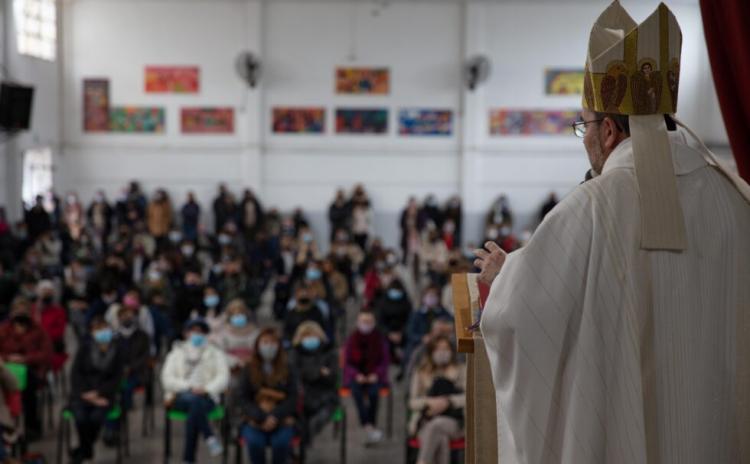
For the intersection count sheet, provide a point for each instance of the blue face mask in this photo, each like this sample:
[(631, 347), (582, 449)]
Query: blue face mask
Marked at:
[(211, 301), (238, 320), (395, 294), (103, 336), (310, 343), (313, 274), (307, 238), (197, 340)]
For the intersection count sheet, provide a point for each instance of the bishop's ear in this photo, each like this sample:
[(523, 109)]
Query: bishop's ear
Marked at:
[(610, 134)]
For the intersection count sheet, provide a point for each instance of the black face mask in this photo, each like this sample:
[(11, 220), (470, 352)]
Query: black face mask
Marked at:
[(47, 300), (304, 302)]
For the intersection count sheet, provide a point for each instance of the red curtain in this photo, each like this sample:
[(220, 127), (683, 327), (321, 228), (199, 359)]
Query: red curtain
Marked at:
[(726, 24)]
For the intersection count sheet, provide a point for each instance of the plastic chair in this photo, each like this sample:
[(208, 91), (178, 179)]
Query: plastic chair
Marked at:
[(114, 415), (20, 372), (217, 414)]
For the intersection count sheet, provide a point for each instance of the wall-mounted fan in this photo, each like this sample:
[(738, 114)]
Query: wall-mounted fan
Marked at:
[(248, 68), (476, 71)]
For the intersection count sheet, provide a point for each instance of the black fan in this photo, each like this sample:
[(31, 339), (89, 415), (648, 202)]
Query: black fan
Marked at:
[(476, 71), (248, 68)]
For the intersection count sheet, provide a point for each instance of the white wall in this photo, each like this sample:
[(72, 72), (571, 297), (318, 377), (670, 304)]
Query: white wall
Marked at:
[(45, 127), (300, 44)]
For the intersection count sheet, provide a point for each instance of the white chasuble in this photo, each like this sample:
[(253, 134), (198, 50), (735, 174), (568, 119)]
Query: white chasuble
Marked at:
[(602, 352)]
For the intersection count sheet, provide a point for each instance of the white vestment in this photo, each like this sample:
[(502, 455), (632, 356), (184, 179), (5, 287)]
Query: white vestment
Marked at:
[(604, 353)]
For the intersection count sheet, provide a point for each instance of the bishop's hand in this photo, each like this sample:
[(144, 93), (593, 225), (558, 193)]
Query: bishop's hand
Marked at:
[(490, 260)]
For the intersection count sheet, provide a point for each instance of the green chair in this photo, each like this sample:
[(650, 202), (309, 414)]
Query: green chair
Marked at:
[(67, 419), (217, 414), (21, 373)]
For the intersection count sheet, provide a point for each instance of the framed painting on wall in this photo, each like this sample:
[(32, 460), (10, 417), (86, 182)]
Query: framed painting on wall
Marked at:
[(361, 121), (135, 119), (298, 120), (363, 81), (563, 81), (207, 120), (413, 121), (172, 79), (96, 105), (532, 122)]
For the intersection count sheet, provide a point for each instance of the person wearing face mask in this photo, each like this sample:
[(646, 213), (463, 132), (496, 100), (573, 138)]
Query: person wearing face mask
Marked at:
[(303, 309), (53, 319), (212, 307), (194, 376), (236, 334), (132, 300), (134, 345), (436, 402), (421, 320), (95, 378), (267, 399), (23, 341), (366, 371), (393, 309), (317, 367)]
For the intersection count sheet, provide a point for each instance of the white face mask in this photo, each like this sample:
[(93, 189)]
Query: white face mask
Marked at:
[(365, 327), (441, 357)]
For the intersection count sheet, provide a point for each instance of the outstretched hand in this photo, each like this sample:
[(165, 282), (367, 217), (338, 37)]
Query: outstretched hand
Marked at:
[(490, 260)]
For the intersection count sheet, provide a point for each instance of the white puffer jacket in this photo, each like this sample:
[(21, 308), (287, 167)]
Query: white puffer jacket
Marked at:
[(186, 368)]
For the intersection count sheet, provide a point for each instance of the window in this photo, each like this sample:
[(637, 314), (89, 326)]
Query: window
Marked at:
[(37, 173), (36, 28)]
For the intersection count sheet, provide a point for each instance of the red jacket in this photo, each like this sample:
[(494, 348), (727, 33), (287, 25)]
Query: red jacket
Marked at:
[(34, 345), (53, 320)]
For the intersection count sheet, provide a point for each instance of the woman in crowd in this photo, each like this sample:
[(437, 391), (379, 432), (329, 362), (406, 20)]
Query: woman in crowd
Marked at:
[(194, 376), (366, 371), (267, 397), (421, 320), (236, 334), (436, 402), (95, 379), (317, 366)]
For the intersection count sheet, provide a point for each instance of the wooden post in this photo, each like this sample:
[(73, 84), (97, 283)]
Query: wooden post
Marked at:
[(481, 409)]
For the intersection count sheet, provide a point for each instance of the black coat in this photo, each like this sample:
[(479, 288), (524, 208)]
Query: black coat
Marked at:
[(85, 376), (135, 351), (320, 390), (393, 315)]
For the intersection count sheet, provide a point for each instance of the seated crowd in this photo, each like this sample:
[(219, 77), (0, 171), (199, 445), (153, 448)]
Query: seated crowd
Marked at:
[(153, 297)]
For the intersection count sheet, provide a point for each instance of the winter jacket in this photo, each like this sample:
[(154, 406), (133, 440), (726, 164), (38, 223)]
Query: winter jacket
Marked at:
[(185, 369)]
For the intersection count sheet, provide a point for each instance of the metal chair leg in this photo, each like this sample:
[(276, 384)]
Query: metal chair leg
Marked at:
[(342, 443), (238, 452), (60, 440), (389, 426), (121, 424), (167, 437)]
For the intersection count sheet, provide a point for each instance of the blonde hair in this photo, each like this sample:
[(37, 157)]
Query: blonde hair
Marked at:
[(309, 328), (235, 306)]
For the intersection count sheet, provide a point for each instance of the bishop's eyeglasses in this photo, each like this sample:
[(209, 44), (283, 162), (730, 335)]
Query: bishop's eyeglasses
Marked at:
[(579, 127)]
